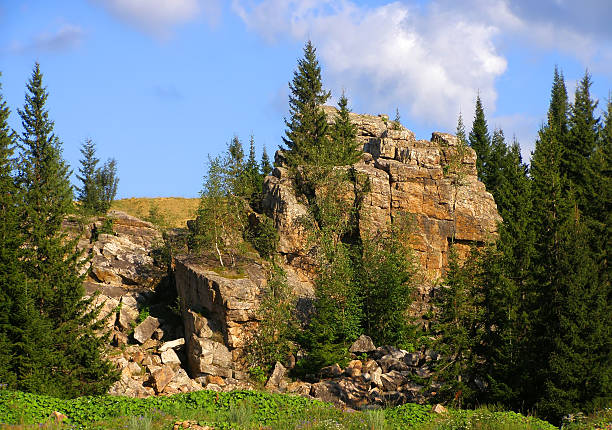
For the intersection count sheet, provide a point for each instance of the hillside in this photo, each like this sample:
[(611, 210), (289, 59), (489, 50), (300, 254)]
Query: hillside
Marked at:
[(173, 212)]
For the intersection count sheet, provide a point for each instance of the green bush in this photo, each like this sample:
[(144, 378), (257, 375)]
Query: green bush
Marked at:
[(262, 234)]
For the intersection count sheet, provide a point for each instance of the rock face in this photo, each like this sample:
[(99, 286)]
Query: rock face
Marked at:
[(121, 261), (431, 181), (219, 313)]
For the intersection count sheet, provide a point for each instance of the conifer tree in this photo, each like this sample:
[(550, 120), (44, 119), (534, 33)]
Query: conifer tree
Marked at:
[(460, 132), (11, 279), (343, 148), (396, 121), (58, 351), (569, 305), (252, 169), (457, 327), (581, 143), (306, 135), (506, 272), (265, 165), (89, 193), (480, 140)]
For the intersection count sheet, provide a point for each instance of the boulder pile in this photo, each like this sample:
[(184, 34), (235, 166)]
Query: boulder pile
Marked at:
[(376, 376)]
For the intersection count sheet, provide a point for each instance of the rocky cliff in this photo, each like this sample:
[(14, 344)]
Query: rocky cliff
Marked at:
[(434, 181)]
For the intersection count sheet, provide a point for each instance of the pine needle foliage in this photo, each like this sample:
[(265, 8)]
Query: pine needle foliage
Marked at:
[(55, 344), (306, 135)]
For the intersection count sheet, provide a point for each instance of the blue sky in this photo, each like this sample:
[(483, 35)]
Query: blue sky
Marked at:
[(159, 84)]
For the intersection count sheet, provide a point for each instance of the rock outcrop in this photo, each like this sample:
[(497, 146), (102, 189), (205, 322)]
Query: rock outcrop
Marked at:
[(219, 314), (431, 181)]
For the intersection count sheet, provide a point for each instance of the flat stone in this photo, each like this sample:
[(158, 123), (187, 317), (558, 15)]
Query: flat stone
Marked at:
[(172, 344), (145, 329), (170, 357)]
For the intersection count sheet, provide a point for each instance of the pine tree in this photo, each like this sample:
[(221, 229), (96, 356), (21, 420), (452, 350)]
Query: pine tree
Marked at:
[(458, 331), (11, 278), (581, 143), (57, 349), (480, 140), (252, 168), (306, 134), (397, 125), (460, 132), (265, 165), (88, 194), (506, 271), (579, 326), (570, 346), (343, 148)]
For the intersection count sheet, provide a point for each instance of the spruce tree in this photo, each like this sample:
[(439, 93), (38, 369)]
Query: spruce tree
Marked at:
[(343, 148), (11, 278), (58, 350), (480, 140), (570, 342), (506, 272), (460, 132), (89, 193), (581, 143), (457, 327), (306, 135), (252, 168), (397, 125), (265, 165)]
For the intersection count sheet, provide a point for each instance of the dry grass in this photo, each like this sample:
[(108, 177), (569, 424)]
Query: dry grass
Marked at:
[(172, 212)]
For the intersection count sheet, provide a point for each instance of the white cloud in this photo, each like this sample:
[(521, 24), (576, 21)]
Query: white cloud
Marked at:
[(65, 38), (158, 17), (580, 29), (428, 62)]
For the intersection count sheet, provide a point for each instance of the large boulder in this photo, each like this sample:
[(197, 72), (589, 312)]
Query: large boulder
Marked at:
[(145, 329), (363, 344)]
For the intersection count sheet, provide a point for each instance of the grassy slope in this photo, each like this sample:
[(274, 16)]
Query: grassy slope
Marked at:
[(174, 211), (241, 410)]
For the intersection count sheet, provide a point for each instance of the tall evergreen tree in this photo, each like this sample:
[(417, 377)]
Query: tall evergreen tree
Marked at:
[(570, 350), (506, 271), (480, 140), (343, 148), (306, 134), (58, 351), (11, 278), (457, 327), (581, 143), (88, 194), (265, 165), (460, 132)]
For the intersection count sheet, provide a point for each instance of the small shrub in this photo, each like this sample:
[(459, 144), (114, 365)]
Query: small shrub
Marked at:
[(262, 234), (258, 375)]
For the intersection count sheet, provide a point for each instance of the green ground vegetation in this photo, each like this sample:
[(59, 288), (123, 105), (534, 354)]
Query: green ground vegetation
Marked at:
[(242, 410)]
